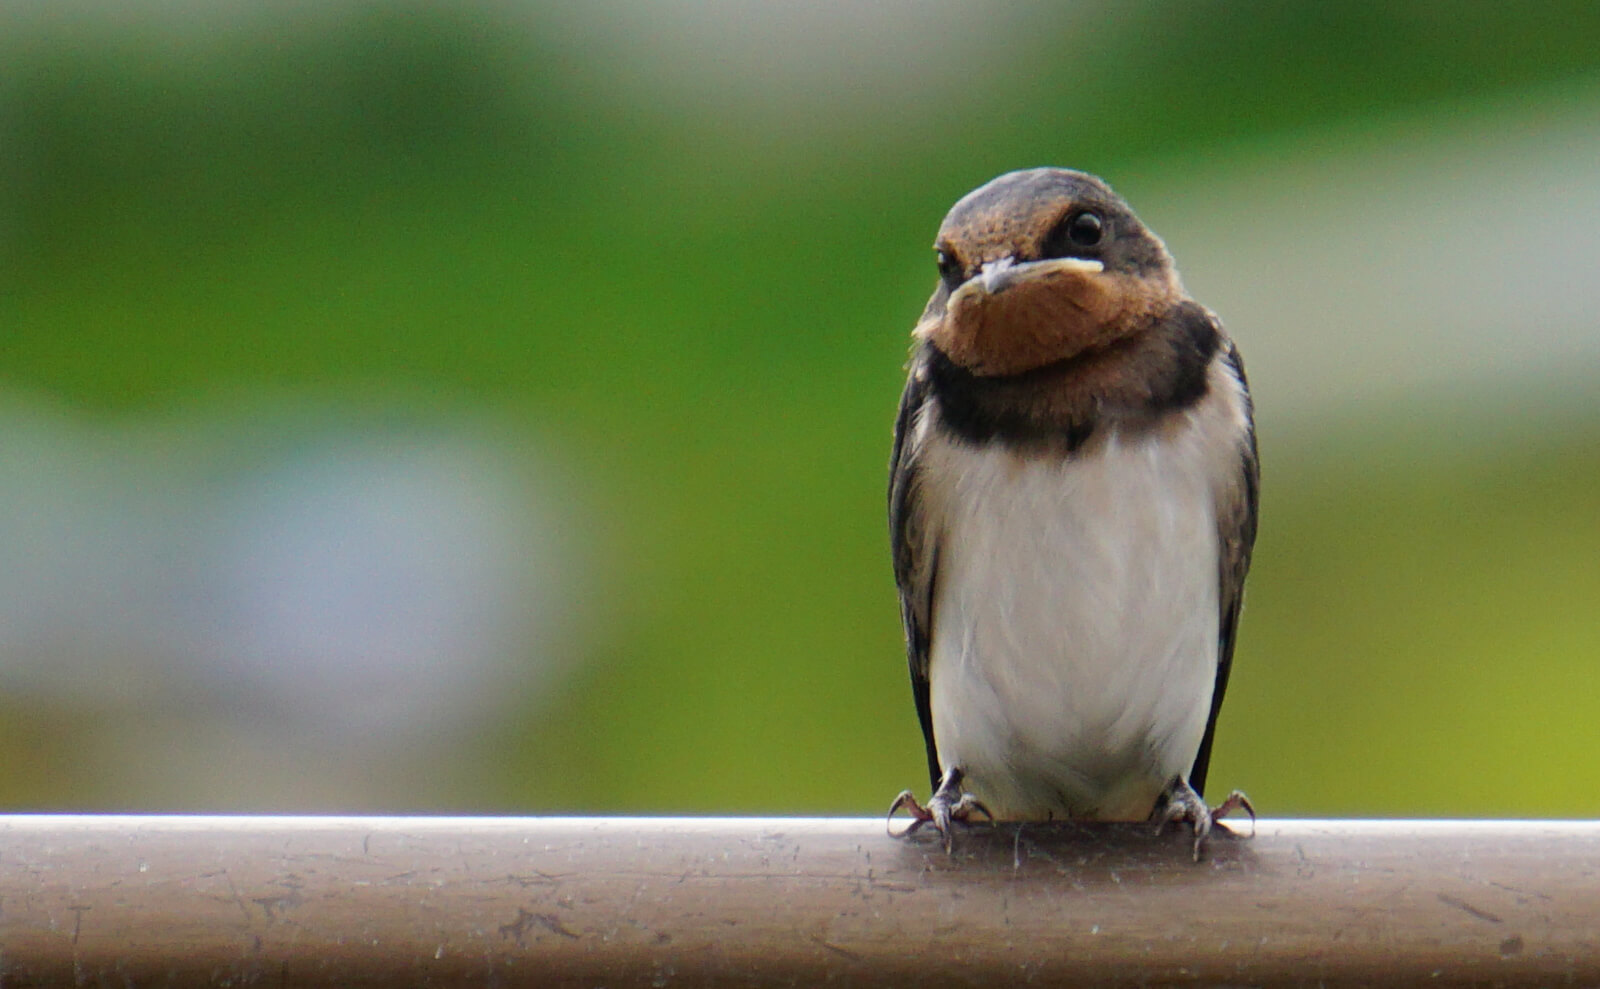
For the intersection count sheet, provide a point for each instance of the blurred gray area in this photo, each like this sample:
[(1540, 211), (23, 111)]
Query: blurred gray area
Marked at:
[(284, 590)]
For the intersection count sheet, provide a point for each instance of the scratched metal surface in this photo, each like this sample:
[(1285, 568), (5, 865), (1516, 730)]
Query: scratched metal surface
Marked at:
[(661, 902)]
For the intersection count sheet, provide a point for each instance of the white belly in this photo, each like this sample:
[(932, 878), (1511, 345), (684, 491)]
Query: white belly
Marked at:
[(1074, 647)]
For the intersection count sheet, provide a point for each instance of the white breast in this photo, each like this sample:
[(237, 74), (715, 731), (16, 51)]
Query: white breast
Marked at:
[(1076, 621)]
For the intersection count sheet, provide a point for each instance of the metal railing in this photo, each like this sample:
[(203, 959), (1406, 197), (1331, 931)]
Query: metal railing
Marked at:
[(777, 901)]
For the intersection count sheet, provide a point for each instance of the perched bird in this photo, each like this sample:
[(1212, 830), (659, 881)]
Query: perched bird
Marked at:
[(1072, 505)]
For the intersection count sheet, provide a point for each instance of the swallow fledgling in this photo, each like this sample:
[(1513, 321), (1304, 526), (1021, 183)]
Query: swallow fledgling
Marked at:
[(1072, 506)]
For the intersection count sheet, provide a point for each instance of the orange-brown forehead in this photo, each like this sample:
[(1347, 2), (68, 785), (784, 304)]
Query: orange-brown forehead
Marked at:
[(1014, 213), (1004, 227)]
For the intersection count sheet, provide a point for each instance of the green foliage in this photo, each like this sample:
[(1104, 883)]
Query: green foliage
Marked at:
[(709, 320)]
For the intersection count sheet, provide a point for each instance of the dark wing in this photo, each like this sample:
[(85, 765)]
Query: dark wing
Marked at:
[(1236, 531), (915, 556)]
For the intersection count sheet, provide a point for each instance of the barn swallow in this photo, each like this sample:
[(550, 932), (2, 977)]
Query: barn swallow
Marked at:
[(1072, 506)]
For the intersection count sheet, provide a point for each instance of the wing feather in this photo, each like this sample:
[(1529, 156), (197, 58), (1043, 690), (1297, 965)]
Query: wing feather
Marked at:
[(1236, 536), (915, 554)]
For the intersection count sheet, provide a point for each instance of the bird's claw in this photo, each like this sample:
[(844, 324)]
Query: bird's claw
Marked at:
[(948, 805), (1183, 804)]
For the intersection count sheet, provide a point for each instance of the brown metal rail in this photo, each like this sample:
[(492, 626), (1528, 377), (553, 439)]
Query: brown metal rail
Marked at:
[(720, 901)]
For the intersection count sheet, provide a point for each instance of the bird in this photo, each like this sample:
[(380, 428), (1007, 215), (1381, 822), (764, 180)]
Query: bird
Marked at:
[(1072, 507)]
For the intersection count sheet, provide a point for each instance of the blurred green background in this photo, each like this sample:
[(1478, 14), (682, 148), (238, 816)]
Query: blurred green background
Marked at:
[(485, 406)]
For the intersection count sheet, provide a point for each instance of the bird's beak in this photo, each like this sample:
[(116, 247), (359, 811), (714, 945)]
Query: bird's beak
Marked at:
[(994, 275), (1000, 274)]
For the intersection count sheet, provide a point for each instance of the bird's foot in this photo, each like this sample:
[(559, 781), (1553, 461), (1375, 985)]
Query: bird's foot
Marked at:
[(948, 805), (1180, 803)]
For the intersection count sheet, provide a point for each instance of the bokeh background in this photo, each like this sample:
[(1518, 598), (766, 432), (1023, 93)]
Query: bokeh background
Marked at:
[(485, 406)]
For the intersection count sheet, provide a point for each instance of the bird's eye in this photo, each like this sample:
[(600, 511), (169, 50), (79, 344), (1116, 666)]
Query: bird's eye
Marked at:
[(1085, 229), (949, 268)]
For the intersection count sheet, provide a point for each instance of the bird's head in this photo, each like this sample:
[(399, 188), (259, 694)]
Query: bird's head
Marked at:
[(1040, 266)]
